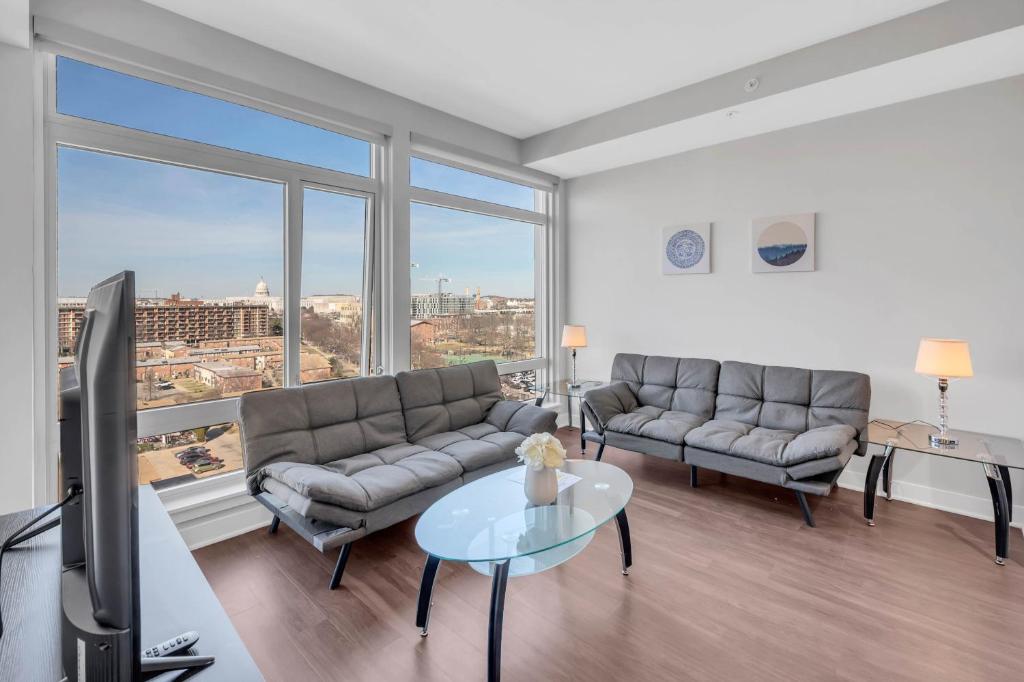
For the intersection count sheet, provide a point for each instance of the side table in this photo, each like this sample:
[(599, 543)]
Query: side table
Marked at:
[(996, 454)]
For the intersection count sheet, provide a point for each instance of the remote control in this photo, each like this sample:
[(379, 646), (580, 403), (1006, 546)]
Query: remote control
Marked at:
[(174, 645)]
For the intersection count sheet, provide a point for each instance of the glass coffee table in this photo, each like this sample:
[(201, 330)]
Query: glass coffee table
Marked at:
[(564, 388), (996, 454), (489, 524)]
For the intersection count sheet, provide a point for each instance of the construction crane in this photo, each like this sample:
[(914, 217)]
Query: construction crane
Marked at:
[(441, 280)]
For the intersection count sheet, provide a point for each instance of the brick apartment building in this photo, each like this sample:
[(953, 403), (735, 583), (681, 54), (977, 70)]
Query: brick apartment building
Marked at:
[(175, 319)]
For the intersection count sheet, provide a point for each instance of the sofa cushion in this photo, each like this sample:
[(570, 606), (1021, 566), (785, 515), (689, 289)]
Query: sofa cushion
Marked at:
[(320, 423), (475, 453), (670, 426), (601, 404), (447, 399), (678, 384), (777, 447), (790, 398), (360, 484)]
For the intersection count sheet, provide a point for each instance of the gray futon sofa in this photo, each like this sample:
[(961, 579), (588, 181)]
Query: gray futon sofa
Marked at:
[(339, 459), (792, 427)]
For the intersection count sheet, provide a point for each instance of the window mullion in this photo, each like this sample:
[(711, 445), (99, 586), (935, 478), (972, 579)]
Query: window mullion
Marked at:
[(293, 282)]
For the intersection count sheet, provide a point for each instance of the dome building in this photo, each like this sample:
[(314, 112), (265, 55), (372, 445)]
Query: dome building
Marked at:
[(261, 296)]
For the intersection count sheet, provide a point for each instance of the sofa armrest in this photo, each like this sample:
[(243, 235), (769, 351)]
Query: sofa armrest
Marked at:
[(601, 404), (512, 415)]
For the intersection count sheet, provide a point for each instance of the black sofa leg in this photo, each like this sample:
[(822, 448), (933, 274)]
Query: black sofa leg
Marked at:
[(274, 524), (339, 568), (805, 508), (694, 483), (600, 451)]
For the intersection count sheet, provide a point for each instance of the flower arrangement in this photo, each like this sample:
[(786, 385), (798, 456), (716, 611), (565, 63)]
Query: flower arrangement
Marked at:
[(541, 450)]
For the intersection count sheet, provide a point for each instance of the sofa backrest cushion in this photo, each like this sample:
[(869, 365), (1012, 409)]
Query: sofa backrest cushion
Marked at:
[(321, 422), (446, 399), (790, 398), (680, 384)]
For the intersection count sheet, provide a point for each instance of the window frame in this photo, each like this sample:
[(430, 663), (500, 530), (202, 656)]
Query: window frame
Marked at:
[(63, 130), (542, 218)]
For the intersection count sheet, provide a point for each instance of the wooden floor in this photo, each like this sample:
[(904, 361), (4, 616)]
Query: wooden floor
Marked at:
[(727, 584)]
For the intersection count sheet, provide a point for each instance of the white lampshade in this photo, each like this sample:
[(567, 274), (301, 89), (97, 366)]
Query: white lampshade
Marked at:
[(948, 358), (574, 336)]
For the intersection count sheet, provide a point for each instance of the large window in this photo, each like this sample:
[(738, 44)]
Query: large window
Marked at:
[(257, 240), (477, 246), (249, 234)]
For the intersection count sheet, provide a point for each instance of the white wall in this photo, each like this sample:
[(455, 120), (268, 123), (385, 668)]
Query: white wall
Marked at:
[(17, 181), (920, 233)]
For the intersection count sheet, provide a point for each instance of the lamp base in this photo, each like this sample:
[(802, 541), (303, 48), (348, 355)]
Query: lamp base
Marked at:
[(940, 442)]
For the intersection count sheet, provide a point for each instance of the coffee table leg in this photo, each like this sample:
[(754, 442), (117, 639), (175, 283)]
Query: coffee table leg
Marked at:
[(871, 483), (887, 475), (1000, 506), (624, 544), (583, 427), (426, 590), (1004, 473), (494, 624)]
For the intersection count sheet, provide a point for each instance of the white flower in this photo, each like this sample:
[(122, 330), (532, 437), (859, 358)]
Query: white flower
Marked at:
[(541, 450)]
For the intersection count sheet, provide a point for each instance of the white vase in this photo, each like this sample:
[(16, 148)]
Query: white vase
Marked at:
[(541, 485)]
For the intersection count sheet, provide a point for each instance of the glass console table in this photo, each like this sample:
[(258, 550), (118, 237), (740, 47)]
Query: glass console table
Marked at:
[(996, 454), (563, 388), (489, 524)]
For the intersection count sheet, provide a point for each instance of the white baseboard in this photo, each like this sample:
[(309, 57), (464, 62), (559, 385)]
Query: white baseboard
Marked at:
[(935, 498)]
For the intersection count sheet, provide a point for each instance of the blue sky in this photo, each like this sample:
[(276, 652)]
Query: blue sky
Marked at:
[(207, 234)]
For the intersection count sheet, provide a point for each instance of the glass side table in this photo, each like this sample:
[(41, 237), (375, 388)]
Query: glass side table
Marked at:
[(563, 388), (996, 454), (489, 524)]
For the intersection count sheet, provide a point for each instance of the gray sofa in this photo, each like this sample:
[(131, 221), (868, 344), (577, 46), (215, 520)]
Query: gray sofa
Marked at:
[(792, 427), (340, 459)]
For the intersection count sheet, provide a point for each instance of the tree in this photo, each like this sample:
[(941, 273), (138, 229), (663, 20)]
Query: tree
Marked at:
[(148, 383)]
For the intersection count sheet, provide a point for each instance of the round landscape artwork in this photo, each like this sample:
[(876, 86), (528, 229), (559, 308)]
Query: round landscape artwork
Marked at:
[(782, 243), (685, 249)]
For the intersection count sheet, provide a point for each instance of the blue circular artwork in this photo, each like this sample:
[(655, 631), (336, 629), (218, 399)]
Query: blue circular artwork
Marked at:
[(685, 249)]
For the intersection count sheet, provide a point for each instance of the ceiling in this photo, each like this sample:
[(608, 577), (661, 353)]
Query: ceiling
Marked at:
[(524, 67)]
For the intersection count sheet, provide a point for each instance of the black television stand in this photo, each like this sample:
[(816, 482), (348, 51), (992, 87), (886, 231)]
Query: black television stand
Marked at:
[(175, 598)]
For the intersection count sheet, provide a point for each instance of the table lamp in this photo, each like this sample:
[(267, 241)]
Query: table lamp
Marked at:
[(574, 336), (944, 359)]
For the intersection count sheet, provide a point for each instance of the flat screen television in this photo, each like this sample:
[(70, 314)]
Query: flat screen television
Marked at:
[(100, 636), (100, 537)]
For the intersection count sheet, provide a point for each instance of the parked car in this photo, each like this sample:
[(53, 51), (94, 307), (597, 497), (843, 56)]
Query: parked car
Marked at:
[(193, 451), (203, 468)]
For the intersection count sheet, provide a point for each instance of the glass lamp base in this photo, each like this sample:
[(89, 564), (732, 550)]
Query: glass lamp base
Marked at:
[(941, 442)]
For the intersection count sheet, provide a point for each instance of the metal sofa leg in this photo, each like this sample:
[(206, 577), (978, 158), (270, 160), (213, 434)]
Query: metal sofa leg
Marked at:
[(600, 451), (694, 483), (805, 508), (274, 524), (339, 568)]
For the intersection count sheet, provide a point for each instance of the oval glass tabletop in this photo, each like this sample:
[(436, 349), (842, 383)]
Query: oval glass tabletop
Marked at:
[(490, 520)]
